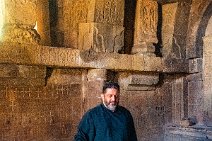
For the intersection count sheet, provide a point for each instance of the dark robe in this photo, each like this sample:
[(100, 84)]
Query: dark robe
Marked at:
[(101, 124)]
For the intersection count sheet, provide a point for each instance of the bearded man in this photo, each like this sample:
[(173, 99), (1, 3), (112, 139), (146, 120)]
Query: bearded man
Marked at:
[(107, 121)]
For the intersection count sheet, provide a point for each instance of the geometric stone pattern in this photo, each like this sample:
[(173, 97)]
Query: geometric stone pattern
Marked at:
[(39, 113), (148, 112)]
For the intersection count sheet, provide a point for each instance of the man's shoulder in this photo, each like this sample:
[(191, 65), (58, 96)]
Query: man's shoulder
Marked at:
[(123, 109), (94, 109)]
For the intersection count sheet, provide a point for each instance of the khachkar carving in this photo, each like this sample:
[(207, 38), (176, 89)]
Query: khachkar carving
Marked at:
[(75, 12), (78, 10), (20, 20), (145, 26), (109, 11), (101, 37), (169, 13), (104, 31)]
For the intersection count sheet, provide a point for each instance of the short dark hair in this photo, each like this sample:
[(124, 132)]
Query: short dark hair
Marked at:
[(110, 84)]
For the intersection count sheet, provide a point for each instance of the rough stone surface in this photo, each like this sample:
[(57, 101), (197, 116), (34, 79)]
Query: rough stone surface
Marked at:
[(169, 16), (101, 37), (56, 55), (138, 81), (67, 57), (207, 75), (146, 21)]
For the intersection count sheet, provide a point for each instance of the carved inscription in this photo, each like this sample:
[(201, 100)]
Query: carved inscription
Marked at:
[(38, 113), (77, 13), (110, 11), (149, 17)]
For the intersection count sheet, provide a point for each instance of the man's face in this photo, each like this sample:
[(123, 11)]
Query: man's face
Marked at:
[(110, 98)]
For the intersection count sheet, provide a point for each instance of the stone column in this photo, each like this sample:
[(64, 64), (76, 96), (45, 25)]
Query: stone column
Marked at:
[(20, 20), (103, 31), (145, 27), (207, 78)]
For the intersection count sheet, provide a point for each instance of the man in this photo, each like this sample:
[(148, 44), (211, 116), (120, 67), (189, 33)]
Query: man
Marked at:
[(107, 121)]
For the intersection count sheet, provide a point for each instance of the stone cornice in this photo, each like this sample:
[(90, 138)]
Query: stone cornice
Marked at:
[(73, 58)]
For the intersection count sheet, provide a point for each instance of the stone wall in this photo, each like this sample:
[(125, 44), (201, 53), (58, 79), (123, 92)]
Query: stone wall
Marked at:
[(37, 111), (45, 89)]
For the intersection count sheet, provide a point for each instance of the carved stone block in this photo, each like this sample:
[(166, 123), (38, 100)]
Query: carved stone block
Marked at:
[(169, 15), (195, 65), (101, 37), (109, 12), (146, 21), (138, 81), (96, 74)]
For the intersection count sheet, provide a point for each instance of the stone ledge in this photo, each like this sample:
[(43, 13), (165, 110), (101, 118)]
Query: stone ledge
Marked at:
[(74, 58), (190, 133), (28, 54)]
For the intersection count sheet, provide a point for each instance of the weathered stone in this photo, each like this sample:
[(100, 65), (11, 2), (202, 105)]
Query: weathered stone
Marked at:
[(153, 63), (101, 37), (20, 12), (177, 100), (138, 81), (207, 77), (185, 134), (145, 26), (96, 74), (109, 12), (169, 16), (45, 90), (42, 22), (195, 97), (146, 22), (64, 76), (195, 28), (7, 70), (207, 45), (175, 65), (15, 33), (20, 20), (195, 65), (195, 77), (74, 58)]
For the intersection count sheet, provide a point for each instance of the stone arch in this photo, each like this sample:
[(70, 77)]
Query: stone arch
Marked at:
[(202, 29)]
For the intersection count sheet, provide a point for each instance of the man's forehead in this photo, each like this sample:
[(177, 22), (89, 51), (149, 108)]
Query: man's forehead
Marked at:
[(111, 90)]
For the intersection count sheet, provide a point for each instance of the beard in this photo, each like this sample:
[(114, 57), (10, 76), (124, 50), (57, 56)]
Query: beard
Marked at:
[(110, 105)]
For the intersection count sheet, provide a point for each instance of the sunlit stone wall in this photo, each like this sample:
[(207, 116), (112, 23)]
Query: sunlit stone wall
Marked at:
[(1, 16)]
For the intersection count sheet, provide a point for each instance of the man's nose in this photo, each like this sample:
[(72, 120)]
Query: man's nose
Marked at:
[(113, 98)]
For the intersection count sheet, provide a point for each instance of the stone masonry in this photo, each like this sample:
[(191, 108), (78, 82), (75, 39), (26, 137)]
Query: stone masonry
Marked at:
[(56, 55)]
